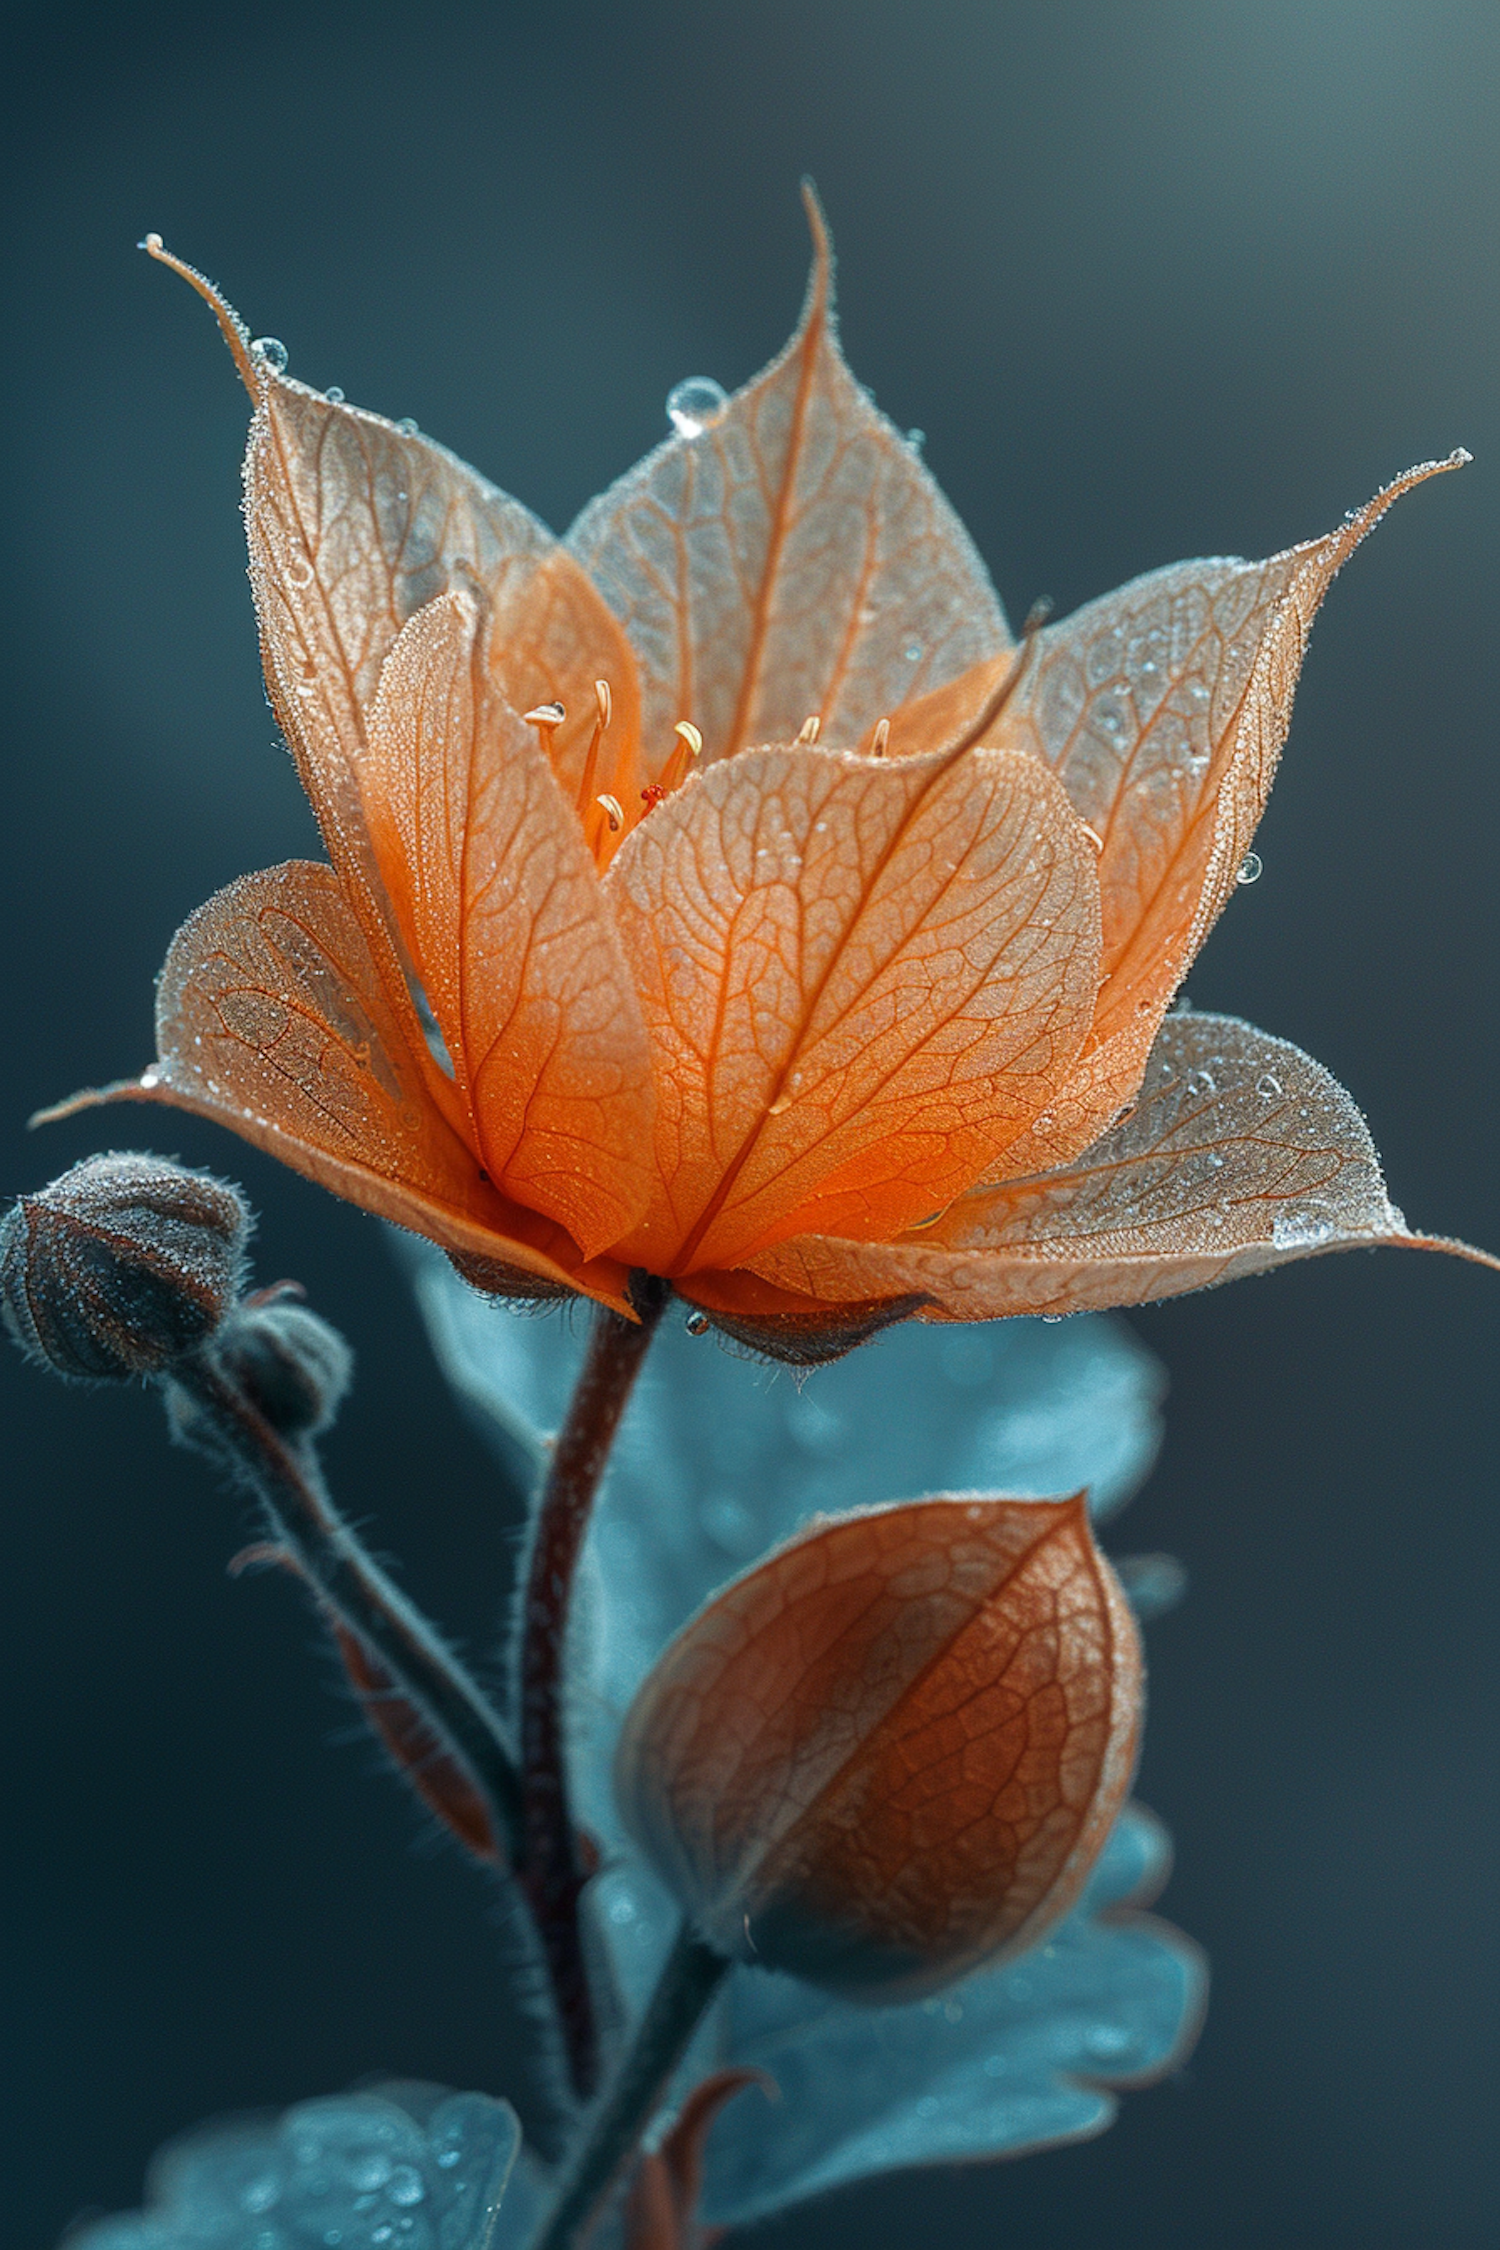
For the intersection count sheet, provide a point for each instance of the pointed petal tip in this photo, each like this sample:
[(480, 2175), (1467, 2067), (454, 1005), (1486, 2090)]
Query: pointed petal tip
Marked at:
[(236, 335), (95, 1097), (820, 280), (1361, 521), (1448, 1244)]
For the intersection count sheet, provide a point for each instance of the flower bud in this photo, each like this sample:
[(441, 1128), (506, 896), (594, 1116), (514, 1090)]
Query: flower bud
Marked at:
[(292, 1367), (894, 1749), (121, 1266)]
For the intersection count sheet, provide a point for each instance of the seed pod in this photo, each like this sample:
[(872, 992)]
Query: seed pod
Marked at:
[(293, 1367), (121, 1266), (894, 1749)]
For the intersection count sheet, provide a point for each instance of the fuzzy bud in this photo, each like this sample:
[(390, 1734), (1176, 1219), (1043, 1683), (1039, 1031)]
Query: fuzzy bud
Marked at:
[(121, 1266), (292, 1367), (894, 1749)]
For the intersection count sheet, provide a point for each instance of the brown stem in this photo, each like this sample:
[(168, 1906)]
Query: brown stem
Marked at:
[(552, 1868)]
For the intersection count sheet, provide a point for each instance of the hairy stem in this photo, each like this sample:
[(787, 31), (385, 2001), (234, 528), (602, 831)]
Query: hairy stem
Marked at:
[(302, 1518), (688, 1982), (551, 1867)]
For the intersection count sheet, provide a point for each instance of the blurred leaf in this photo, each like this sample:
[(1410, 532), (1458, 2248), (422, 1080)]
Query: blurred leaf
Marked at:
[(407, 2166)]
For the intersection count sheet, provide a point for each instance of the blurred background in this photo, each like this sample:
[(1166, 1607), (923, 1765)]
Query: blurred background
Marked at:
[(1158, 278)]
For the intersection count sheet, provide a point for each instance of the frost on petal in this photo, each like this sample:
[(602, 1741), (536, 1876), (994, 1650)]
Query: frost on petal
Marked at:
[(500, 909), (1241, 1153), (794, 558), (1163, 708), (276, 1017), (403, 2162), (355, 525), (861, 980), (1017, 2057)]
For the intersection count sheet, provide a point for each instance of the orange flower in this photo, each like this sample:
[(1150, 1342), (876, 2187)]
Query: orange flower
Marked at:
[(720, 892)]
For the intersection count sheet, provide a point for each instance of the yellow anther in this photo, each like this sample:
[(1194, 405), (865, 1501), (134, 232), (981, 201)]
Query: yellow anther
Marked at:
[(1093, 835), (614, 813), (688, 746), (545, 715), (809, 729), (882, 737), (605, 702)]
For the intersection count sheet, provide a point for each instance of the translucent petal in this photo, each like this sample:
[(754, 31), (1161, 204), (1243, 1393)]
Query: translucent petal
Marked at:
[(407, 2167)]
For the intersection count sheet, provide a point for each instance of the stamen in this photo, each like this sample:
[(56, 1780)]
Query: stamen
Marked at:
[(602, 697), (614, 813), (1093, 835), (545, 718), (810, 729), (882, 737), (680, 764)]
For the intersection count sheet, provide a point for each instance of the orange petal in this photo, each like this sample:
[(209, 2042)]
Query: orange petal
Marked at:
[(275, 1018), (1241, 1155), (1162, 709), (500, 907), (795, 559), (894, 1749), (861, 979)]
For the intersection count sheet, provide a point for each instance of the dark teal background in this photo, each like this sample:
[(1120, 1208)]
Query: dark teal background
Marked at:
[(1158, 279)]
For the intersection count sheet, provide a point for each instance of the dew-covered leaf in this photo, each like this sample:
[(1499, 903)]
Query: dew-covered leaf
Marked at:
[(403, 2167), (1015, 2058), (1240, 1155), (792, 559), (499, 903), (861, 980), (720, 1459)]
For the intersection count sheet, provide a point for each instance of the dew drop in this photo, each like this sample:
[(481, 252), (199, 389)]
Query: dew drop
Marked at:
[(916, 439), (912, 652), (1268, 1086), (1250, 868), (447, 2158), (696, 1324), (334, 395), (273, 351), (407, 425), (405, 2186), (695, 405)]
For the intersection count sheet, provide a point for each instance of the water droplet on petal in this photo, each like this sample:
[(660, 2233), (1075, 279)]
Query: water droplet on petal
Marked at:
[(273, 351), (1268, 1086), (1250, 868), (696, 1324), (916, 439), (405, 2186), (912, 652), (334, 395), (407, 425), (696, 405)]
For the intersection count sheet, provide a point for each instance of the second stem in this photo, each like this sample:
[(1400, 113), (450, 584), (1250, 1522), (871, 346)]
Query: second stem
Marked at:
[(553, 1871)]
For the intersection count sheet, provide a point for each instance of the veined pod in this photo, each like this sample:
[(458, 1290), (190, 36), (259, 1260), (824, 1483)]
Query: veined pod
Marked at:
[(894, 1749)]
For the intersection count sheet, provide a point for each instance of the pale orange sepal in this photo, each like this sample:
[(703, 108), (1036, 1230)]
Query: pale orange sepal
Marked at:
[(861, 979), (794, 560), (275, 1018), (1242, 1154)]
